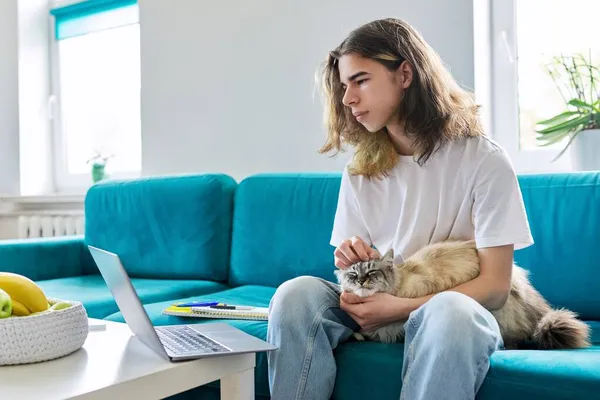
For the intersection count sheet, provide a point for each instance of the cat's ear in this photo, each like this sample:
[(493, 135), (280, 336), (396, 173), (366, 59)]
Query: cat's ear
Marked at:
[(388, 257), (339, 274)]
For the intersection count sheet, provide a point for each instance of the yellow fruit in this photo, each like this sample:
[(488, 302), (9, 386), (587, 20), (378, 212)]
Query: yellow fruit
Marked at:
[(19, 309), (24, 291)]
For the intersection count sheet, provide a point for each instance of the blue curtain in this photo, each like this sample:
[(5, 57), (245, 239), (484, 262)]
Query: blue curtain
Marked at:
[(92, 16)]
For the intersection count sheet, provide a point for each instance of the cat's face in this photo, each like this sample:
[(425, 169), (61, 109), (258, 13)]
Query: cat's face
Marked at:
[(368, 277)]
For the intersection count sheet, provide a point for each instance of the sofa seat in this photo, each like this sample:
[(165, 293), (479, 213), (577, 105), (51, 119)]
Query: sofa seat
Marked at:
[(92, 291), (526, 374), (252, 295), (513, 374)]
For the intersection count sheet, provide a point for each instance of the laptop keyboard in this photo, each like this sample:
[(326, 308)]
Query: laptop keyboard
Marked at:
[(181, 340)]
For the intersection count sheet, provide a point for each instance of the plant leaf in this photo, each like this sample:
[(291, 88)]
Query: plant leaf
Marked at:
[(559, 118), (554, 137), (596, 120), (549, 141), (570, 124), (581, 104)]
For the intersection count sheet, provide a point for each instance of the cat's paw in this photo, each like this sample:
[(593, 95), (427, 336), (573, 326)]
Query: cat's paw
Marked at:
[(358, 337)]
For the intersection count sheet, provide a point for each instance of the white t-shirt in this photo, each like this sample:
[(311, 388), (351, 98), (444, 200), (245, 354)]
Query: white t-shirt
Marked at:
[(467, 189)]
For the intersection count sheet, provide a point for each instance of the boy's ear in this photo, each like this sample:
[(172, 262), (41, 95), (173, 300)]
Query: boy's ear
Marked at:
[(405, 74)]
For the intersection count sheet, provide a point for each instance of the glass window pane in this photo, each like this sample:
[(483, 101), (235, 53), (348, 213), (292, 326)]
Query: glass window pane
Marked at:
[(100, 98), (548, 28)]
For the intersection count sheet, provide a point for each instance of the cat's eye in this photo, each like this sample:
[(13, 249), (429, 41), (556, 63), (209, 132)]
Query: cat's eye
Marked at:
[(352, 276), (373, 273)]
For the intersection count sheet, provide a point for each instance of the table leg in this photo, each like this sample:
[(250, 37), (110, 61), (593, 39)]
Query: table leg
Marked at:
[(239, 386)]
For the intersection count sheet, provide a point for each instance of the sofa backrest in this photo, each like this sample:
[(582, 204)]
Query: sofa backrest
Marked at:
[(175, 227), (282, 226), (564, 215)]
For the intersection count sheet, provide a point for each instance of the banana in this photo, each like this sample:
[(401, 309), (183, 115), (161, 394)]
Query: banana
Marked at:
[(19, 309), (23, 292)]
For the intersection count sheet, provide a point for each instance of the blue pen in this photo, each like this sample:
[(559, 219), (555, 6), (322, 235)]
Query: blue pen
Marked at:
[(198, 304)]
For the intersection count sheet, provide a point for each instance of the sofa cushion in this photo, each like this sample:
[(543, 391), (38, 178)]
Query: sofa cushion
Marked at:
[(164, 227), (515, 375), (44, 258), (258, 296), (281, 228), (524, 375), (564, 215), (92, 291)]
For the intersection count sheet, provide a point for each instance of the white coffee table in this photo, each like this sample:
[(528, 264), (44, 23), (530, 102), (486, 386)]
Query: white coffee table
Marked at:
[(114, 364)]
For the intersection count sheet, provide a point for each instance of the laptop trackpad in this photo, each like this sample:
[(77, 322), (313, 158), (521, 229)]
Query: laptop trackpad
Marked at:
[(231, 337)]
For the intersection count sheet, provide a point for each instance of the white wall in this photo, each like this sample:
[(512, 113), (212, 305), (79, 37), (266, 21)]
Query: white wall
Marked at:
[(229, 86), (9, 98), (34, 91), (226, 87)]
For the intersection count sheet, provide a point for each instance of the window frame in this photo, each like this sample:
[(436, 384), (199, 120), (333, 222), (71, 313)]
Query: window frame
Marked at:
[(505, 109), (65, 182)]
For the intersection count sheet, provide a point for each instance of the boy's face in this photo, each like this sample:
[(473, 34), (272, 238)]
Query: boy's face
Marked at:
[(373, 92)]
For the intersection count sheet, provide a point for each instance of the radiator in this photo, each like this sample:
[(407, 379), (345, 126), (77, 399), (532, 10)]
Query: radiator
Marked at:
[(35, 226)]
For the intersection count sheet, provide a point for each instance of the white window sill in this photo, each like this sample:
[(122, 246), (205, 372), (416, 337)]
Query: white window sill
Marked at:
[(44, 199), (539, 160), (42, 205)]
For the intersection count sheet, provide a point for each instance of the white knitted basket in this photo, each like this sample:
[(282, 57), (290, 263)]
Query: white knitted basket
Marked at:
[(44, 336)]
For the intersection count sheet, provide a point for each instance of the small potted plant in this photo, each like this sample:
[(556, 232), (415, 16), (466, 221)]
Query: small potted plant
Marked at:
[(578, 82), (98, 162)]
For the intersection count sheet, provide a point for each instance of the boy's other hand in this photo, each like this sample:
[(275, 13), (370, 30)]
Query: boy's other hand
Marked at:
[(352, 251)]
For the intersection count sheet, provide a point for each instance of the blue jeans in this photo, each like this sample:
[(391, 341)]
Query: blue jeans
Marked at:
[(307, 324)]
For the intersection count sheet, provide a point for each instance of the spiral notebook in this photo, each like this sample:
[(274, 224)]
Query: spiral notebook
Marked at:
[(254, 313)]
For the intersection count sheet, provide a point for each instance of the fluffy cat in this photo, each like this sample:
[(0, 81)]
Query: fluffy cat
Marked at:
[(526, 317)]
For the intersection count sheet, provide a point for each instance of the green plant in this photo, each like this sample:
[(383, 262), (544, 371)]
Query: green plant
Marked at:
[(578, 82), (98, 162)]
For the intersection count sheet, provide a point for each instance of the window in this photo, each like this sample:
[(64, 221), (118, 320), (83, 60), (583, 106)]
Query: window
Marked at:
[(526, 35), (96, 90)]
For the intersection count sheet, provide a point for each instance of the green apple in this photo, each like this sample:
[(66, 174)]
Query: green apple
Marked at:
[(60, 305), (5, 304)]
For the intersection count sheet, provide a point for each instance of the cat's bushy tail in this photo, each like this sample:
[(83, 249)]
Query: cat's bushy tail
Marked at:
[(560, 329)]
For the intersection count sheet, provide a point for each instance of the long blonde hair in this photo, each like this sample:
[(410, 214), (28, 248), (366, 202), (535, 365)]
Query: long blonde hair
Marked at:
[(434, 108)]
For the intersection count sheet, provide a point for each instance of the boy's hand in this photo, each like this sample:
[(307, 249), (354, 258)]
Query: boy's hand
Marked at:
[(352, 251), (374, 311)]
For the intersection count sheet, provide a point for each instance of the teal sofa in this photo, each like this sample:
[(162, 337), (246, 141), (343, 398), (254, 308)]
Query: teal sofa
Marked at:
[(209, 237)]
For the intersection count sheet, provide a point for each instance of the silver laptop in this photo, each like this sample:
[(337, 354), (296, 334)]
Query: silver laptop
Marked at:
[(174, 342)]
